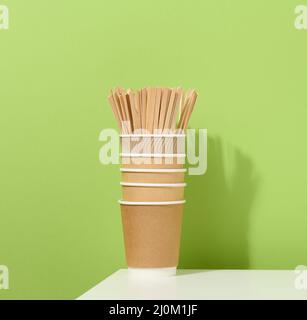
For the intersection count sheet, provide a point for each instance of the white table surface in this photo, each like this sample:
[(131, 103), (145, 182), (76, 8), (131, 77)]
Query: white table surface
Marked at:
[(200, 285)]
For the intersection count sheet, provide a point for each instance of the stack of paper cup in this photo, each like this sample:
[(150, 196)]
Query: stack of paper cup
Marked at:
[(152, 201)]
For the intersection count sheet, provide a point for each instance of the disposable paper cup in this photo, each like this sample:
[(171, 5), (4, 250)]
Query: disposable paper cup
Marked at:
[(152, 205), (153, 175), (152, 234), (165, 150), (152, 191)]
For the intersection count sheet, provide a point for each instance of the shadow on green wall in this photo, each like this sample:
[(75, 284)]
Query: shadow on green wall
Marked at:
[(217, 214)]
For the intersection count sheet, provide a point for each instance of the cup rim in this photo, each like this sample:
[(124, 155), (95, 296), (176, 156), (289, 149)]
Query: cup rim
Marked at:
[(155, 185), (153, 170), (153, 155), (150, 203)]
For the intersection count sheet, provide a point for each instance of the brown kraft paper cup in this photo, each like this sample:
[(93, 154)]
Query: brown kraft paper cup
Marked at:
[(152, 235), (152, 193), (153, 177), (170, 155), (153, 162)]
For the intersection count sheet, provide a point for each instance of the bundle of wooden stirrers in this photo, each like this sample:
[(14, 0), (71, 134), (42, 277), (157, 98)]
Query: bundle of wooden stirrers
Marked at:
[(151, 110)]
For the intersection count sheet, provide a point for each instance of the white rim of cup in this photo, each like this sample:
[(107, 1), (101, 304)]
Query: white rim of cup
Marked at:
[(140, 184), (161, 203), (149, 135), (153, 155), (152, 170)]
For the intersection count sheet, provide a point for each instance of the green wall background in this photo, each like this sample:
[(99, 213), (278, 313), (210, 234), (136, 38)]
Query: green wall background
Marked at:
[(60, 228)]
